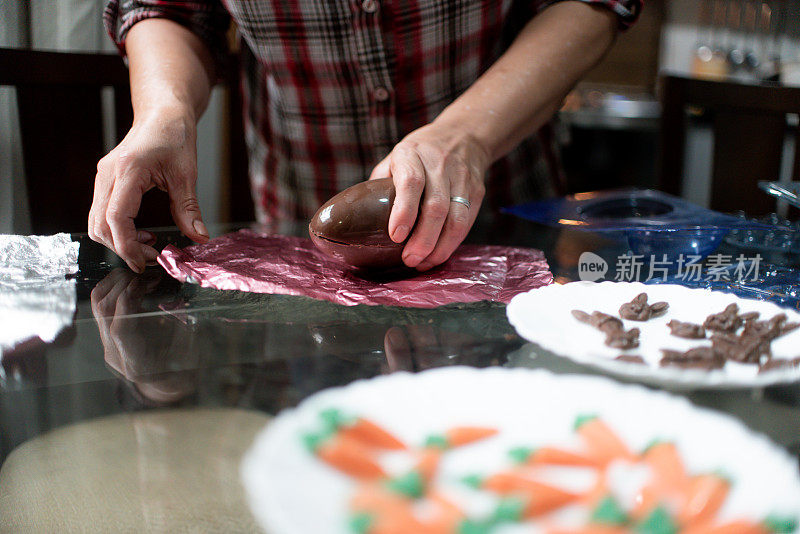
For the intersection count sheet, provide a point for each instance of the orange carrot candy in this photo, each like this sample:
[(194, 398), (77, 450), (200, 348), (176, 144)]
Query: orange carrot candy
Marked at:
[(447, 518), (428, 463), (550, 456), (591, 529), (602, 444), (377, 511), (375, 499), (669, 473), (458, 436), (345, 454), (646, 501), (771, 525), (541, 498), (360, 429), (596, 493), (669, 479), (734, 527), (705, 495)]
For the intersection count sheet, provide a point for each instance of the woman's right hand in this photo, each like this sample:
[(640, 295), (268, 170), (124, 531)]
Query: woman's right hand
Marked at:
[(159, 151)]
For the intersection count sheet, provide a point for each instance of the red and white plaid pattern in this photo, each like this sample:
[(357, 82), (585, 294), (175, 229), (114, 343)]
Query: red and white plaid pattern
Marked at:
[(332, 85)]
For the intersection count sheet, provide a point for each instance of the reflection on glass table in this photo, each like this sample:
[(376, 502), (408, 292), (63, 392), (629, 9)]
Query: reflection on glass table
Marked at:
[(146, 362), (153, 364)]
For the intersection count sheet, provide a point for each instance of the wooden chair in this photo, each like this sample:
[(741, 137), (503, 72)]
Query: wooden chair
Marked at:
[(59, 101), (749, 125)]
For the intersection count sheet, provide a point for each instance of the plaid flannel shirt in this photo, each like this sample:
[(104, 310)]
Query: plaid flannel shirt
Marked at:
[(330, 86)]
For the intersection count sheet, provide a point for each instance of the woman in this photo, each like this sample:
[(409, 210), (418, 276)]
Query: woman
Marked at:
[(443, 96)]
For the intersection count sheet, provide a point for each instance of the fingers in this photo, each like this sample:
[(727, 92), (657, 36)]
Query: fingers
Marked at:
[(433, 214), (114, 205), (125, 329), (104, 300), (123, 205), (119, 187), (408, 174), (103, 184), (186, 210), (460, 219), (104, 294), (145, 237), (411, 179), (428, 168), (421, 346), (398, 350), (129, 301), (114, 300), (158, 152), (424, 345), (443, 224)]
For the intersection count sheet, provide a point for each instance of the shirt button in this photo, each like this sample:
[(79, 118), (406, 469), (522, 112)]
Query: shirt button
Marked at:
[(381, 94), (369, 6)]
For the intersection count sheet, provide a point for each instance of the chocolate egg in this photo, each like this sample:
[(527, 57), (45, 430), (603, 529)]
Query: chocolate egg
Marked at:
[(353, 226)]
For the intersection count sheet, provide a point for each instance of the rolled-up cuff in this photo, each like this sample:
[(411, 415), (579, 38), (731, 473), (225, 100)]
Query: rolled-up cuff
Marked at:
[(627, 11)]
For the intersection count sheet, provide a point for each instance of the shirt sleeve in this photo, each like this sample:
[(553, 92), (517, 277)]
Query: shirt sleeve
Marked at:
[(208, 19), (627, 11)]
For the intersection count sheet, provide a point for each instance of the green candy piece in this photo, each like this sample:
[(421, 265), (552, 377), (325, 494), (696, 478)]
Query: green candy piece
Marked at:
[(333, 419), (469, 526), (312, 441), (582, 420), (360, 523), (520, 455), (437, 441), (609, 512), (473, 481), (781, 525), (658, 522), (411, 485), (508, 511)]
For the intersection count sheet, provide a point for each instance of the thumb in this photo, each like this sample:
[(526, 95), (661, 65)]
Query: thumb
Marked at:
[(186, 213)]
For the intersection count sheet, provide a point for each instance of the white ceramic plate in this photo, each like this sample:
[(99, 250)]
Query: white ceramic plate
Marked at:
[(543, 316), (291, 492)]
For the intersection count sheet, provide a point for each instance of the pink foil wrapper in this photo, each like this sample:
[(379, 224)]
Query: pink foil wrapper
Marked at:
[(250, 261)]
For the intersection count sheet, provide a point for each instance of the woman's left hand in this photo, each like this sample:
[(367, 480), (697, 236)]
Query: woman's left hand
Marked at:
[(430, 167)]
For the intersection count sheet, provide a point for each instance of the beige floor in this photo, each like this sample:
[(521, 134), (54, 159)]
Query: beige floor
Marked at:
[(156, 471)]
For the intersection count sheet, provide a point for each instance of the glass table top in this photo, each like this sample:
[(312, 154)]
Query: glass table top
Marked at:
[(157, 387)]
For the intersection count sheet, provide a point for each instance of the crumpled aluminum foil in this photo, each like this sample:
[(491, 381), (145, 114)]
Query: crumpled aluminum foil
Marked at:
[(30, 259), (250, 261), (36, 298)]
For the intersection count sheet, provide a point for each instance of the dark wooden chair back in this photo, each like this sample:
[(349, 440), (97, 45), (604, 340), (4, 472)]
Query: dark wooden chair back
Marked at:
[(238, 206), (60, 106), (749, 126)]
